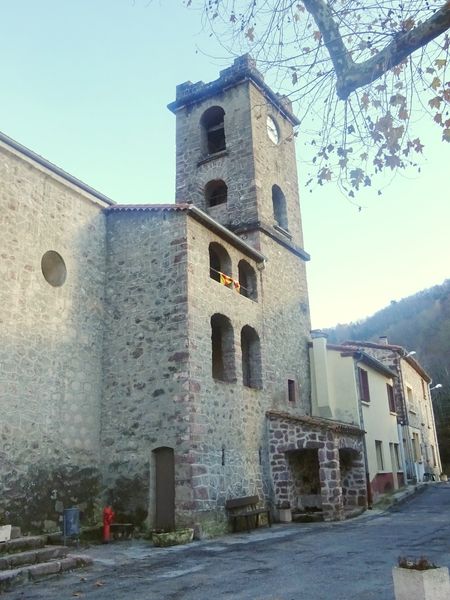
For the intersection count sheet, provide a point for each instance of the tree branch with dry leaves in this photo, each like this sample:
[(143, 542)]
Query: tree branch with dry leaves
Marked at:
[(362, 74)]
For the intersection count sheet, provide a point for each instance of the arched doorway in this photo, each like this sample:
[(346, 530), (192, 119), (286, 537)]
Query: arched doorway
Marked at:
[(164, 488)]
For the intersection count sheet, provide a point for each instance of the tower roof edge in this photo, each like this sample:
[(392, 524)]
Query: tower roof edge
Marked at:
[(242, 69)]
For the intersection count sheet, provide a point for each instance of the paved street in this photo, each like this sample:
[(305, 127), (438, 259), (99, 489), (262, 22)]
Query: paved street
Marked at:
[(339, 561)]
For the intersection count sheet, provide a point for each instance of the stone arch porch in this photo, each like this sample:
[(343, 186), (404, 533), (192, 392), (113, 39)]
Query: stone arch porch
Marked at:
[(316, 461)]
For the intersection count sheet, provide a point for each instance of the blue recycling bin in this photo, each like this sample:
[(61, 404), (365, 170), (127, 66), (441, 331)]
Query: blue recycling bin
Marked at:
[(71, 522)]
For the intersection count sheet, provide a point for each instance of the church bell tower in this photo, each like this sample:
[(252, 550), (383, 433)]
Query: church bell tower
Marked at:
[(235, 155)]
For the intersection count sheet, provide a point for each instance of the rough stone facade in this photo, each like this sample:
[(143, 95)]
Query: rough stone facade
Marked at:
[(51, 350), (144, 353), (341, 481)]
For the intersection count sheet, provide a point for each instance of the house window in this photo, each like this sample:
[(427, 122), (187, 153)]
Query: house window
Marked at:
[(247, 280), (390, 394), (433, 452), (424, 393), (416, 447), (395, 455), (222, 348), (410, 397), (363, 380), (53, 268), (213, 130), (279, 207), (219, 261), (251, 357), (379, 454), (216, 192), (292, 391)]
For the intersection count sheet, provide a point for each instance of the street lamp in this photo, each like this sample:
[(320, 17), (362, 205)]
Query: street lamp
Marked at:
[(410, 353), (436, 387)]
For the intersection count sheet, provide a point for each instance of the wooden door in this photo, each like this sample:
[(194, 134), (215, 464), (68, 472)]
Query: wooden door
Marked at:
[(164, 489)]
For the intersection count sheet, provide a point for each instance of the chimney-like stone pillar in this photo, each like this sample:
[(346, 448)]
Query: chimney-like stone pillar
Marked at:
[(320, 378)]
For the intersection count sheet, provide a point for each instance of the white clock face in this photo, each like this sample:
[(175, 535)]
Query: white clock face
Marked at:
[(272, 130)]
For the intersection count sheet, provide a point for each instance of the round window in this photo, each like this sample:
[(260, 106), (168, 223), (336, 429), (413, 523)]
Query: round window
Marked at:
[(53, 268)]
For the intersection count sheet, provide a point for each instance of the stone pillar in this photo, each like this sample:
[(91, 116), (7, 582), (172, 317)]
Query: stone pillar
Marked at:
[(330, 481)]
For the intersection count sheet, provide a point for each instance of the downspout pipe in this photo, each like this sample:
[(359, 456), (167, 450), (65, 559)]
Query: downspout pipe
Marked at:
[(358, 357), (408, 451)]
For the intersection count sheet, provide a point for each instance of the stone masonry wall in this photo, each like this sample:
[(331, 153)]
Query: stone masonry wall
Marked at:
[(421, 417), (274, 165), (286, 327), (50, 354), (146, 390), (287, 435), (229, 444), (234, 166), (227, 433)]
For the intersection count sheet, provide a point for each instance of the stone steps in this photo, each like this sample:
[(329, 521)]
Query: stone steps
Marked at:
[(28, 559), (23, 543)]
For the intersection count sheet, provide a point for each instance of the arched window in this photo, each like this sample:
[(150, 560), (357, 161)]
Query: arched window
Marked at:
[(279, 207), (247, 280), (219, 261), (251, 358), (216, 192), (213, 130), (222, 348)]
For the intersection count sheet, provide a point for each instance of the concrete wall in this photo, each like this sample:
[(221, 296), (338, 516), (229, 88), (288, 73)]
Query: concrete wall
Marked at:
[(421, 419), (380, 425), (50, 354), (334, 389), (335, 395)]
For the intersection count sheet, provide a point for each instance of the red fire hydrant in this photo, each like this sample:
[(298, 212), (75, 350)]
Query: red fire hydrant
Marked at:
[(108, 518)]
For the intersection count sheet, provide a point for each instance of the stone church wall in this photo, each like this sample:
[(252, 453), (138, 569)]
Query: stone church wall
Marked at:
[(51, 346), (145, 367), (227, 417), (286, 326)]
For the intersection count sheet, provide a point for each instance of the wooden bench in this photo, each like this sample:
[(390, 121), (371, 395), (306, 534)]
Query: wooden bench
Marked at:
[(246, 507)]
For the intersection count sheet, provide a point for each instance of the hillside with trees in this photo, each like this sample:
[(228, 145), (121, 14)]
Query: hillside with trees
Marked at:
[(421, 323)]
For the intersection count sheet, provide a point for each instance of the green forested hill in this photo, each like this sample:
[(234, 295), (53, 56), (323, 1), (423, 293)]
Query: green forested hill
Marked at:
[(422, 323)]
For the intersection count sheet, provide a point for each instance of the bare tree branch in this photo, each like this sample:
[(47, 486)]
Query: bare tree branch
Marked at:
[(351, 75)]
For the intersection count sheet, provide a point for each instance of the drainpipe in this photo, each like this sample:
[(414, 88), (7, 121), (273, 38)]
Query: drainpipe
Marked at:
[(361, 420), (433, 425), (408, 451)]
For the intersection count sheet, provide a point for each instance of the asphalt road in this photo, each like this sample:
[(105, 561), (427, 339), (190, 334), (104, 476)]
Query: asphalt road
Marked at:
[(338, 561)]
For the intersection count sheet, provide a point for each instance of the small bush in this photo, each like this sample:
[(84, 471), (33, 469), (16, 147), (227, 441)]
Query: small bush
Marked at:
[(417, 564)]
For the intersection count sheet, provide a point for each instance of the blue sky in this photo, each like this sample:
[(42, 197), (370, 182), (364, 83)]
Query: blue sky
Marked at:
[(85, 83)]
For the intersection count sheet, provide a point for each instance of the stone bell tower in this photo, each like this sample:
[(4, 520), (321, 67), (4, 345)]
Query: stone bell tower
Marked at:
[(235, 156), (235, 160)]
